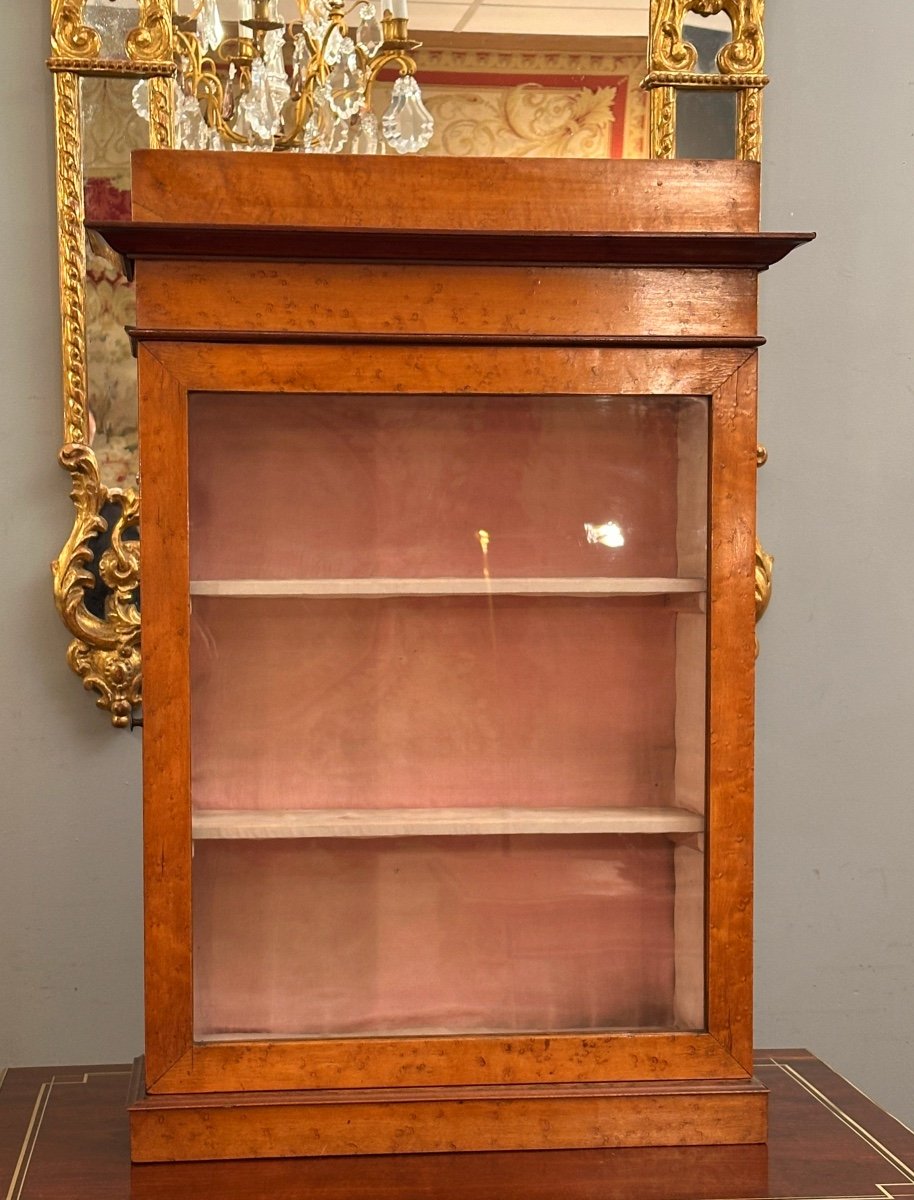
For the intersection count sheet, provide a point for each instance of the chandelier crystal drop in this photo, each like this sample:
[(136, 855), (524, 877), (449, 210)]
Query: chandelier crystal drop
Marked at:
[(304, 85)]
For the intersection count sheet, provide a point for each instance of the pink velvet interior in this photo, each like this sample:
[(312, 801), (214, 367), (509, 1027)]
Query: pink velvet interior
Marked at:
[(539, 702), (290, 487), (434, 935), (439, 701)]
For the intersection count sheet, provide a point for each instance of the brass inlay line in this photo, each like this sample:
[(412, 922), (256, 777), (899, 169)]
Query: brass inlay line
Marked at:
[(23, 1162), (884, 1191), (849, 1121), (28, 1145), (866, 1096)]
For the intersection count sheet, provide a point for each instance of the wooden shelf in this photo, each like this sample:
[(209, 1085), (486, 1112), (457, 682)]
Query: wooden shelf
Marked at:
[(380, 588), (429, 822)]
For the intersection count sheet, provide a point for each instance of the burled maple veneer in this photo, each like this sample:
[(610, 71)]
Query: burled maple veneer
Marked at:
[(449, 476)]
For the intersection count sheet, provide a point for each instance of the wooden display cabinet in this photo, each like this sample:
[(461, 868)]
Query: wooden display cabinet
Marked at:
[(448, 601)]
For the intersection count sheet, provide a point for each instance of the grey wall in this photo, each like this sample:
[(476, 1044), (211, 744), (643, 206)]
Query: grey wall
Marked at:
[(836, 713), (835, 912), (70, 932)]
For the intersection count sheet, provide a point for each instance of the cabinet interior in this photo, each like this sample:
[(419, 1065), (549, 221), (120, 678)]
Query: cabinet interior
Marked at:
[(448, 675)]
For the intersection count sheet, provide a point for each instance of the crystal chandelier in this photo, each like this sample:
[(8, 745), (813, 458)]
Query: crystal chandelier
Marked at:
[(305, 86)]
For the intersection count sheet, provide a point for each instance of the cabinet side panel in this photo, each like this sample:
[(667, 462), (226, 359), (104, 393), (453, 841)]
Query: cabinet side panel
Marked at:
[(732, 691), (166, 733)]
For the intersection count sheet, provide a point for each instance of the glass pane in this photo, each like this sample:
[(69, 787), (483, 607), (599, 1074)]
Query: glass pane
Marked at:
[(448, 696), (708, 38), (542, 96), (405, 486), (433, 935)]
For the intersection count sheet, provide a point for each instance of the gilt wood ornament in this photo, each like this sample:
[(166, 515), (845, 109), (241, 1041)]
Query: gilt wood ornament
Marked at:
[(740, 66), (105, 652), (744, 54)]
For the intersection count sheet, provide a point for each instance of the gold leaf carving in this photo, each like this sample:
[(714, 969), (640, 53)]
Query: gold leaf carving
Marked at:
[(161, 114), (72, 255), (106, 649), (743, 54), (152, 40), (70, 38), (764, 570), (672, 61), (749, 124), (663, 123)]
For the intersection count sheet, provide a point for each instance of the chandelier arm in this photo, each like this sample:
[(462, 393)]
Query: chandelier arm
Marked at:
[(384, 59), (302, 122)]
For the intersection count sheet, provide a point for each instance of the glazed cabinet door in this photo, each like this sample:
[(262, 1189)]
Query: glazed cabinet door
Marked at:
[(456, 655)]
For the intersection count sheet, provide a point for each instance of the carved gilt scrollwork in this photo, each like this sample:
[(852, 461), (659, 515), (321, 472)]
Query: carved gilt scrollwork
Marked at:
[(77, 47), (663, 122), (764, 572), (152, 40), (161, 114), (743, 55), (72, 256), (96, 576), (672, 61), (70, 38), (764, 563), (749, 125), (105, 651)]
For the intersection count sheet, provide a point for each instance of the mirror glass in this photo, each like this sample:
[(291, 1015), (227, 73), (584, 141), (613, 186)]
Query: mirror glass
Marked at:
[(522, 79), (113, 22), (111, 130), (525, 79), (706, 121)]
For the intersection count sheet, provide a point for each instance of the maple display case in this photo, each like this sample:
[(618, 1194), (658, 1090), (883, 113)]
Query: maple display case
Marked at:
[(448, 482)]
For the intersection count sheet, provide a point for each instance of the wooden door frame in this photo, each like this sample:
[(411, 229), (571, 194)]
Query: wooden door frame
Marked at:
[(169, 373)]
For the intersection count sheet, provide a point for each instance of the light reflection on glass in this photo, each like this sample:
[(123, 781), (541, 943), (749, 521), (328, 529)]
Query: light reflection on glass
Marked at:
[(608, 534)]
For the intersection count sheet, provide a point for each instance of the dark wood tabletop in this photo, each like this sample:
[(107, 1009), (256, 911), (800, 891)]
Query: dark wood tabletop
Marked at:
[(63, 1136)]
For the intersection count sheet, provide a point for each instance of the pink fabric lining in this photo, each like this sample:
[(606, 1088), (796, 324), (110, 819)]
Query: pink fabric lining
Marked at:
[(433, 935), (441, 701), (340, 487), (432, 702)]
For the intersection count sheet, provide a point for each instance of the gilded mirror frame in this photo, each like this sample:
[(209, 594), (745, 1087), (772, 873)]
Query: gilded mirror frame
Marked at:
[(105, 647)]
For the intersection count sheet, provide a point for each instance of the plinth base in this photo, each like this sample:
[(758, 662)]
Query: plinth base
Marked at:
[(189, 1128)]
